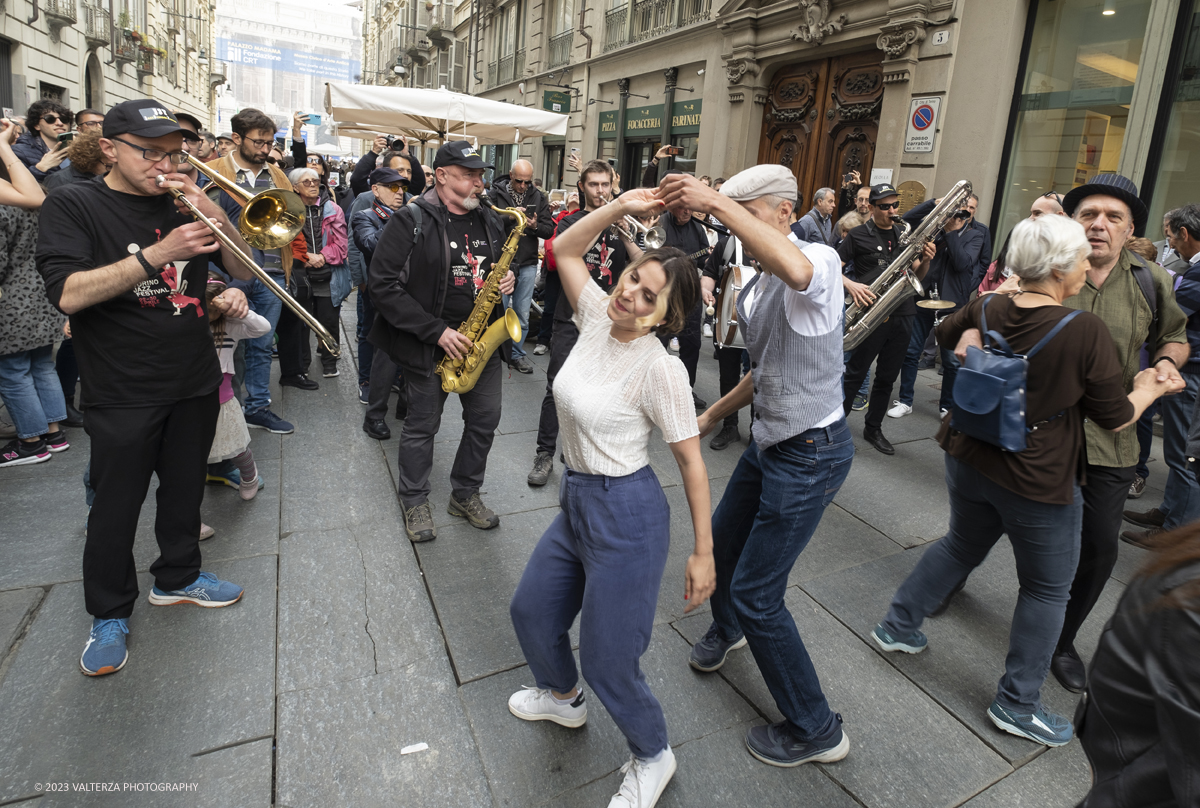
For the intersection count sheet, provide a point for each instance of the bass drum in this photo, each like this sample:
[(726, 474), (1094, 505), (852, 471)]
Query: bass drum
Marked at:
[(735, 279)]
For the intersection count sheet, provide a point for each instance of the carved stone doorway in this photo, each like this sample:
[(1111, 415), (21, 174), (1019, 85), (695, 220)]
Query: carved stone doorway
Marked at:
[(822, 120)]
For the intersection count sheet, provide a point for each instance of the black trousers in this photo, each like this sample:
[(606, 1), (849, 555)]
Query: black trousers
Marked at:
[(729, 366), (128, 445), (889, 343), (289, 330), (564, 339), (67, 368), (550, 293), (327, 315), (1103, 501), (689, 342)]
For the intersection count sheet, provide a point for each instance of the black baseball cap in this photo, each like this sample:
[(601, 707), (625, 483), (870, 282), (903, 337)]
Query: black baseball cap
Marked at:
[(387, 176), (459, 153), (882, 191), (187, 117), (144, 117)]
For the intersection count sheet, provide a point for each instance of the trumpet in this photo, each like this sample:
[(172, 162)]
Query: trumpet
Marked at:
[(270, 220), (656, 236)]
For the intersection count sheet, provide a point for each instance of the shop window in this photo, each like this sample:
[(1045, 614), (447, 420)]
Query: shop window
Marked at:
[(554, 168), (1174, 184), (687, 160), (1074, 104)]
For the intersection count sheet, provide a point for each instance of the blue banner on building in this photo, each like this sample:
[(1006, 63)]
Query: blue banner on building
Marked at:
[(287, 60)]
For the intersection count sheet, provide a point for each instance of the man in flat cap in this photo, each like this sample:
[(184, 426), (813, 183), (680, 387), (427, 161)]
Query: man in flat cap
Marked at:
[(799, 453)]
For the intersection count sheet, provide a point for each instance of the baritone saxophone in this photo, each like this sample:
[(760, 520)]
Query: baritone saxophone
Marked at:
[(460, 375)]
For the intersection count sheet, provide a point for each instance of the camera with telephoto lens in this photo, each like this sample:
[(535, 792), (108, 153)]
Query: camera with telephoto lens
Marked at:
[(398, 144)]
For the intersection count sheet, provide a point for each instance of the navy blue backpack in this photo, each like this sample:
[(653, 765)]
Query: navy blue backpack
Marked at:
[(989, 389)]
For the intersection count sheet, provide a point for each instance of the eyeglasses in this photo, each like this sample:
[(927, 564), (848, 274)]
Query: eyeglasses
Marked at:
[(887, 205), (92, 124), (255, 142), (309, 181), (53, 119), (156, 155), (393, 187)]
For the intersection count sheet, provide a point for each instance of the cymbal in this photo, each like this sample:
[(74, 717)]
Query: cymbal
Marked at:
[(936, 304)]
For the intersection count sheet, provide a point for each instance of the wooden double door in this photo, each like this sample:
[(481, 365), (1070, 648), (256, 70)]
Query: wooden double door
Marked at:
[(822, 120)]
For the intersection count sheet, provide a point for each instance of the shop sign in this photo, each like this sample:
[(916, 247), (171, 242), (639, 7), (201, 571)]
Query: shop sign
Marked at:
[(642, 122), (556, 101)]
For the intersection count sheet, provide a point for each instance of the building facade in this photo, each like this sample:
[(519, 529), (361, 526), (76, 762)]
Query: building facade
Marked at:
[(1020, 97), (97, 53)]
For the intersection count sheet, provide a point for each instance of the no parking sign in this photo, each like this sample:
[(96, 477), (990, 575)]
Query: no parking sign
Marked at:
[(922, 125)]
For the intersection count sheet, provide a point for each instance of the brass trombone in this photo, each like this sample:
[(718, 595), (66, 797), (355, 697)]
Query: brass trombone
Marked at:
[(270, 220)]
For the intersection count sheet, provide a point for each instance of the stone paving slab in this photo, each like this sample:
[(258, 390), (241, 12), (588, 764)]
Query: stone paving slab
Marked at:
[(197, 679), (887, 718), (840, 542), (529, 763), (342, 744), (1057, 778), (347, 487), (967, 645), (15, 607), (903, 496)]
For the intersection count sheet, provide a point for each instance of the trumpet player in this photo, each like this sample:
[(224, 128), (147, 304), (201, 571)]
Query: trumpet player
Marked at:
[(424, 278), (112, 253), (872, 247)]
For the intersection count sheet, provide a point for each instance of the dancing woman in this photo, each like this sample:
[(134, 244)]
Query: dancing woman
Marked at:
[(604, 554)]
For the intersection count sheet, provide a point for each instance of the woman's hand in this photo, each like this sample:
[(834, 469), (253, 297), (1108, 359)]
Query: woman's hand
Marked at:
[(1158, 384), (314, 260), (699, 580), (640, 202), (860, 292), (10, 131)]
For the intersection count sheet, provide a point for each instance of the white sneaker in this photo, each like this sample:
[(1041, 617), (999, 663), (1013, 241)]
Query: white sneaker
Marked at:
[(707, 330), (942, 412), (644, 782), (675, 344), (899, 410), (535, 704), (206, 532), (539, 349)]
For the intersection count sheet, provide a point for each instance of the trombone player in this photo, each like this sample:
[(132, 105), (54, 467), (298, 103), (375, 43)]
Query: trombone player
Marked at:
[(112, 254)]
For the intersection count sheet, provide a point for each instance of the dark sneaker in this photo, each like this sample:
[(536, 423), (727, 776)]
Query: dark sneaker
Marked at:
[(1043, 726), (74, 417), (300, 381), (105, 651), (1142, 538), (265, 419), (364, 393), (709, 654), (925, 363), (330, 371), (775, 744), (56, 441), (910, 644), (418, 523), (377, 429), (700, 404), (207, 590), (1137, 487), (19, 453), (478, 514), (521, 364), (543, 464), (1151, 518), (728, 434), (860, 403)]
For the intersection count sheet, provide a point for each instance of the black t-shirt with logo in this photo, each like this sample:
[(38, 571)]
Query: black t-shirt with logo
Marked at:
[(470, 262), (872, 251), (148, 346), (605, 260)]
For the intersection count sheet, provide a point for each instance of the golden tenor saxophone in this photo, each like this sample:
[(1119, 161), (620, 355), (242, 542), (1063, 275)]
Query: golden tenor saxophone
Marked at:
[(460, 375)]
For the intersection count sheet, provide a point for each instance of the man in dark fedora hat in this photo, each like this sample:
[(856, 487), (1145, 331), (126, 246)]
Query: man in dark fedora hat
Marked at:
[(1136, 301)]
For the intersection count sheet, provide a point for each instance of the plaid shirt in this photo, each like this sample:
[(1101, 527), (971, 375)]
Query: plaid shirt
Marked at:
[(1123, 308)]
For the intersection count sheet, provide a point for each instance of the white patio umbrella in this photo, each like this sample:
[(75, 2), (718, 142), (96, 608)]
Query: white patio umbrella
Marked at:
[(435, 114)]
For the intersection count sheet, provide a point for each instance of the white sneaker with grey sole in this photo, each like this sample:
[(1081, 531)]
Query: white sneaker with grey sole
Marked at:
[(536, 704), (899, 409)]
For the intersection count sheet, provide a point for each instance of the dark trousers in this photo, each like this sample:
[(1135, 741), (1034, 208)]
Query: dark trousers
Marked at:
[(128, 445), (1103, 500), (67, 368), (592, 561), (922, 329), (565, 337), (729, 366), (1145, 433), (689, 342), (550, 293), (767, 515), (327, 315), (889, 343), (481, 416), (290, 331), (1043, 540), (383, 374), (366, 318)]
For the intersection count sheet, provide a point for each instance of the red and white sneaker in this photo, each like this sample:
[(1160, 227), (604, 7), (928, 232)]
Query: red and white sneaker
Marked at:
[(19, 453)]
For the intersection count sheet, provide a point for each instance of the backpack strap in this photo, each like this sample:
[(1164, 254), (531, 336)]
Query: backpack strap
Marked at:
[(1059, 326), (415, 210), (1145, 282)]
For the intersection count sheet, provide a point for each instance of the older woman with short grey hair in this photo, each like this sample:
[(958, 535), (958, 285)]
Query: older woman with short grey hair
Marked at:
[(1032, 495)]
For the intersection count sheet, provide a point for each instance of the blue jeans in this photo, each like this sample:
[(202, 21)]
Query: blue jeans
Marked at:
[(604, 554), (1045, 541), (1181, 496), (922, 325), (366, 351), (258, 350), (770, 510), (519, 301), (30, 387)]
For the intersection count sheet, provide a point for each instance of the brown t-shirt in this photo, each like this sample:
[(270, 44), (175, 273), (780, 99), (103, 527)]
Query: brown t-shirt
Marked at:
[(1076, 373)]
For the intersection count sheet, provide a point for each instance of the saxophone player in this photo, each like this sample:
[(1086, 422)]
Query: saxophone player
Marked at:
[(432, 259)]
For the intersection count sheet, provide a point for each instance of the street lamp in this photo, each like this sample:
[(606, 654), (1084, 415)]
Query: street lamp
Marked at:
[(202, 59)]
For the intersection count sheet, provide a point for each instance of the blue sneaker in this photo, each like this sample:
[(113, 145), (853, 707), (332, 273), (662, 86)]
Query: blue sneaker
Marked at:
[(1043, 726), (709, 654), (912, 644), (207, 591), (265, 419), (105, 650), (364, 393), (221, 476), (775, 744)]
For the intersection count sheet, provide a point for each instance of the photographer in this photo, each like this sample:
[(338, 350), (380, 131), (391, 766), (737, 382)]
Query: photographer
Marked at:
[(389, 149)]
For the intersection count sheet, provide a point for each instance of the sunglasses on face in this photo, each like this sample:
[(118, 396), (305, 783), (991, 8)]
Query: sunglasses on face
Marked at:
[(394, 187), (314, 160), (53, 119), (887, 205), (519, 182)]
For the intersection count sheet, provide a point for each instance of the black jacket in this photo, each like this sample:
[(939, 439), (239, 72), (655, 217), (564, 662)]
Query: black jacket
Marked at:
[(408, 283), (360, 178), (954, 267), (1140, 721), (535, 202)]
